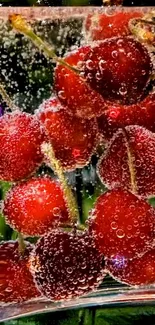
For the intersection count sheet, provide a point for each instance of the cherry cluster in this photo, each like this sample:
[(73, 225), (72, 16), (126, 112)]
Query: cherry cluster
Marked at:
[(102, 94)]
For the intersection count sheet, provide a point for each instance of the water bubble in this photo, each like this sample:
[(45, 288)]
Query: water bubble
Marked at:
[(114, 54), (120, 233), (56, 211), (89, 64), (114, 225), (102, 65), (61, 94), (69, 270), (67, 259), (122, 90)]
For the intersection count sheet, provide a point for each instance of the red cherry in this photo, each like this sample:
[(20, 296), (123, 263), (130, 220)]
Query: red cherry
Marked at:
[(73, 139), (21, 136), (34, 206), (123, 224), (16, 281), (119, 116), (114, 165), (138, 271), (102, 26), (119, 69), (73, 92), (67, 264)]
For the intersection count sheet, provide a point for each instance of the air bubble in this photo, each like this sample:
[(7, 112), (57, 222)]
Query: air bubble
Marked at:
[(120, 233)]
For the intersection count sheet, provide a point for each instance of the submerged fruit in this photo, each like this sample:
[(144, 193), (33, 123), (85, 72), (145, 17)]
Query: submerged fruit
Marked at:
[(66, 264), (16, 281), (102, 26), (21, 136), (138, 271), (115, 166), (122, 224), (119, 116), (73, 139), (73, 92), (119, 69), (35, 206)]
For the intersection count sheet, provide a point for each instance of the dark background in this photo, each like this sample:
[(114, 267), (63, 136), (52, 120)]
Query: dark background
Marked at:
[(72, 2)]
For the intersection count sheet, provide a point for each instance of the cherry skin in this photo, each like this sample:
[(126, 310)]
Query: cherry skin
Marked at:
[(21, 136), (35, 206), (73, 139), (138, 271), (119, 69), (102, 26), (16, 281), (66, 264), (114, 165), (119, 116), (122, 224), (73, 92)]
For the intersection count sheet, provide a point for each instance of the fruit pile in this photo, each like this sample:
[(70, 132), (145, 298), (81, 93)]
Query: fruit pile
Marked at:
[(103, 94)]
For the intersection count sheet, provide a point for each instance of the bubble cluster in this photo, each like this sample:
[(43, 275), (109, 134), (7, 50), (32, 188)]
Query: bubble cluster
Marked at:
[(21, 136), (34, 207), (66, 264), (119, 80), (123, 224), (80, 136), (109, 24), (119, 116), (80, 99), (137, 271), (114, 167), (16, 281)]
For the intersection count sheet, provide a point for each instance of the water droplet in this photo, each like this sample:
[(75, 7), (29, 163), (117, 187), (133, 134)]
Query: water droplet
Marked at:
[(114, 225), (120, 233), (114, 54)]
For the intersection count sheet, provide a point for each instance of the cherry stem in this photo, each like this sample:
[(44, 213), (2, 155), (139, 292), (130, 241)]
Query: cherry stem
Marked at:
[(79, 227), (21, 244), (130, 163), (147, 22), (56, 166), (136, 28), (7, 99), (20, 24)]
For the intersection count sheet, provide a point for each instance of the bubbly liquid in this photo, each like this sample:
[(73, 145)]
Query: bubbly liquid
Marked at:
[(77, 157)]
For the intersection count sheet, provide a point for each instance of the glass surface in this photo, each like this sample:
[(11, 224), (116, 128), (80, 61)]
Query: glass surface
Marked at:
[(27, 76)]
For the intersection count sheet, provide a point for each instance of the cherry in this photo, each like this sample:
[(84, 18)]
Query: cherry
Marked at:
[(67, 264), (16, 281), (122, 224), (138, 271), (73, 92), (73, 139), (34, 206), (102, 26), (114, 166), (119, 116), (20, 137), (119, 69)]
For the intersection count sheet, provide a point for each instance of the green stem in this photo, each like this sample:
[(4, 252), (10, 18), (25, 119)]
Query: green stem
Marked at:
[(22, 244), (20, 24), (68, 195), (130, 164), (7, 99), (137, 28)]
